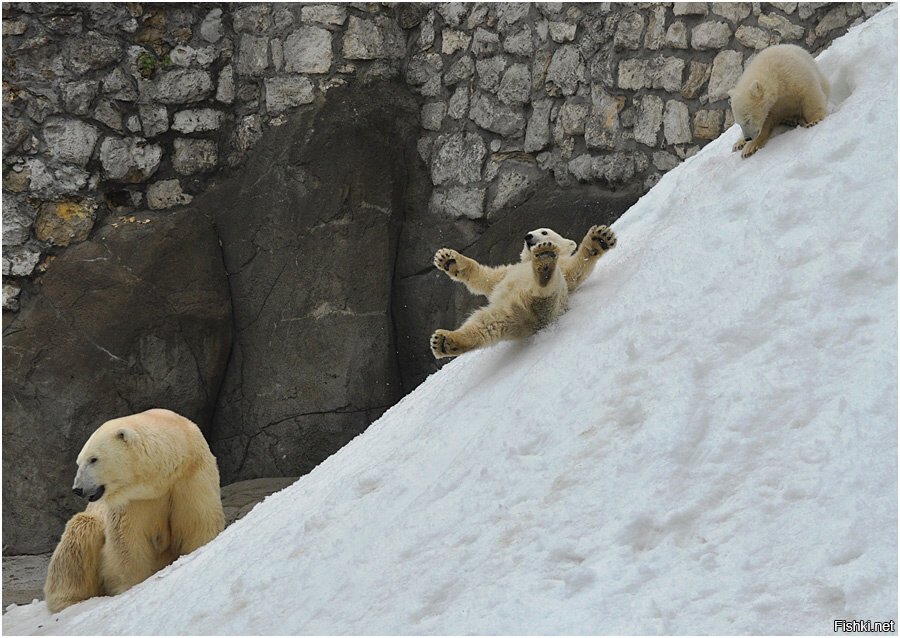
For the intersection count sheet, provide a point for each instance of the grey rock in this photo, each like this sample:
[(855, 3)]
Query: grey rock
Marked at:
[(119, 86), (707, 124), (179, 86), (248, 132), (566, 71), (573, 115), (166, 194), (655, 37), (285, 92), (453, 40), (458, 107), (197, 120), (726, 69), (335, 14), (108, 112), (154, 119), (808, 9), (629, 30), (781, 25), (537, 135), (676, 36), (139, 311), (11, 292), (458, 202), (492, 115), (70, 140), (90, 51), (133, 124), (562, 32), (452, 12), (661, 72), (664, 161), (129, 159), (251, 18), (211, 28), (460, 70), (836, 18), (51, 182), (14, 27), (182, 55), (710, 35), (676, 123), (690, 9), (787, 7), (431, 88), (433, 115), (282, 19), (225, 87), (239, 499), (77, 96), (515, 87), (253, 55), (374, 39), (17, 221), (477, 16), (510, 13), (423, 67), (603, 127), (194, 156), (426, 31), (458, 158), (485, 43), (515, 184), (308, 50), (753, 37), (697, 77), (490, 72), (647, 120), (734, 11), (520, 42), (18, 261)]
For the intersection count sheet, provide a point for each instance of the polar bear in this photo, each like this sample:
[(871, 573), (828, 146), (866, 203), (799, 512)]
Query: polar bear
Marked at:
[(522, 297), (783, 84), (153, 491)]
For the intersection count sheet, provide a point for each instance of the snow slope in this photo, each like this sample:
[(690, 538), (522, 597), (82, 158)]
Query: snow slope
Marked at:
[(705, 443)]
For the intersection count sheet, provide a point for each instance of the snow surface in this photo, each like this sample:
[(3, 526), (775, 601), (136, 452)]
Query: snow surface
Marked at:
[(705, 443)]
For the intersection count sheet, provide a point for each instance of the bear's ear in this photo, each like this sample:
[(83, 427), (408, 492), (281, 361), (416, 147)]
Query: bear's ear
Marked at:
[(730, 92), (124, 435), (756, 89)]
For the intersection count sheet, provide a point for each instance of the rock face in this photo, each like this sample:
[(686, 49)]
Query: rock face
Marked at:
[(137, 317), (309, 231)]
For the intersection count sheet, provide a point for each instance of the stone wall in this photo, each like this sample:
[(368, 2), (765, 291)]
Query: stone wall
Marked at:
[(110, 109)]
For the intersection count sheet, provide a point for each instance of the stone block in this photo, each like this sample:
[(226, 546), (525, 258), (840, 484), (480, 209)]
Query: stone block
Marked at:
[(197, 120), (194, 156), (283, 93), (70, 140), (707, 124), (710, 35), (726, 69), (458, 158), (66, 222), (129, 159), (676, 123), (308, 50)]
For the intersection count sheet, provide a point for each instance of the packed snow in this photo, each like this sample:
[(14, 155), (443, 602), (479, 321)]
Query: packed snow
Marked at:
[(705, 443)]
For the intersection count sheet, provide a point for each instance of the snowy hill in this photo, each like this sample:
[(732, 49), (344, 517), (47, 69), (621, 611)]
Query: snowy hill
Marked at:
[(705, 443)]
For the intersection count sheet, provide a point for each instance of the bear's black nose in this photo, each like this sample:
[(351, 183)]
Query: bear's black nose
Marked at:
[(78, 491), (528, 238)]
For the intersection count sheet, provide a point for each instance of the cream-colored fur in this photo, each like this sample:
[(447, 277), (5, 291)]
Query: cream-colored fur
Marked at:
[(154, 491), (522, 297), (783, 85)]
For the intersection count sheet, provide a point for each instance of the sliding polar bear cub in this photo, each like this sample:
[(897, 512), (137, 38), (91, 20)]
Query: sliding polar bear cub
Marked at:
[(783, 84), (153, 491), (522, 297)]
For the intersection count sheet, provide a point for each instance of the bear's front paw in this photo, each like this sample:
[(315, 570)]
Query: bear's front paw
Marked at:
[(443, 345), (602, 238), (806, 124), (545, 251), (750, 149), (738, 145), (446, 259)]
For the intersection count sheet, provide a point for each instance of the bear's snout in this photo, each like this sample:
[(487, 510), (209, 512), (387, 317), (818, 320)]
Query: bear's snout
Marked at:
[(528, 238), (78, 491)]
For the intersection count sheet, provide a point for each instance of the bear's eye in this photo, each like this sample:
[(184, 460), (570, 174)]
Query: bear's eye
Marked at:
[(93, 460), (543, 232)]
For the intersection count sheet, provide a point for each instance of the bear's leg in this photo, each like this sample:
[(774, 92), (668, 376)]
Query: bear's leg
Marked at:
[(483, 328), (597, 241), (543, 262), (196, 516), (814, 108), (74, 571), (760, 140), (479, 279)]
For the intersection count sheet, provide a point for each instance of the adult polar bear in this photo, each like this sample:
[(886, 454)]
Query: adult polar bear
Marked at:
[(153, 487), (522, 297)]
